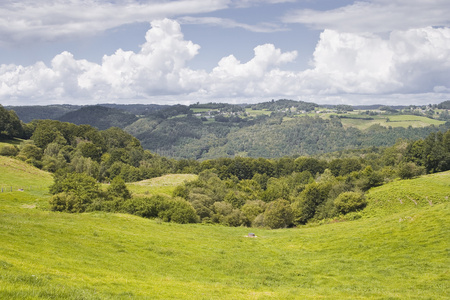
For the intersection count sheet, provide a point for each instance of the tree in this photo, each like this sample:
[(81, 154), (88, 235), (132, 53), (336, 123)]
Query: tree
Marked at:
[(118, 188), (253, 208), (10, 125), (311, 197), (278, 214), (179, 211), (74, 192), (409, 170)]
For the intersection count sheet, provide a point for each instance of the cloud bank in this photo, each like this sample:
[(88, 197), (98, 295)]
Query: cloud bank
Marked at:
[(346, 67)]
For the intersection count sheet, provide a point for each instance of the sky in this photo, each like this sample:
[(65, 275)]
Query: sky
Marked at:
[(394, 52)]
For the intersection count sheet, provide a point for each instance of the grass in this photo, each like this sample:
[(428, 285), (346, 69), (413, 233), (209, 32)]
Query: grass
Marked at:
[(160, 185), (413, 194), (255, 113), (17, 175), (49, 255), (394, 121)]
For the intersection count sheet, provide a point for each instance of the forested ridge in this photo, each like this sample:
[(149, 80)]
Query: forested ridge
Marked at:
[(233, 191), (270, 129)]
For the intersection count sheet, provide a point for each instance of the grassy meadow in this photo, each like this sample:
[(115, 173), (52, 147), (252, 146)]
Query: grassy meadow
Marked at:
[(160, 185), (356, 120), (391, 253)]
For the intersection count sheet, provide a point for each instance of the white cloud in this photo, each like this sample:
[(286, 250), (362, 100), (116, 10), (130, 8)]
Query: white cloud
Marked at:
[(413, 63), (376, 16), (37, 20), (228, 23), (248, 3)]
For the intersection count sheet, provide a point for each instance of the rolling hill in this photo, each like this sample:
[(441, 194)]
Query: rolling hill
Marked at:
[(100, 117), (393, 252), (270, 129)]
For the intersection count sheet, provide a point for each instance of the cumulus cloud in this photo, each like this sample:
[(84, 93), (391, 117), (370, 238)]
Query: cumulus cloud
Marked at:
[(376, 16), (350, 66), (37, 20)]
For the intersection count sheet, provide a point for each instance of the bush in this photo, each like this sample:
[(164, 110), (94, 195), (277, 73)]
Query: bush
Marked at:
[(73, 192), (278, 214), (349, 202), (179, 211), (9, 150), (145, 207), (410, 170)]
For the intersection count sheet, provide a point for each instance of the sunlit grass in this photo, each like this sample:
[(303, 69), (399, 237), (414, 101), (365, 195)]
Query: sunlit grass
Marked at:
[(16, 174), (412, 194), (160, 185), (389, 120), (402, 254)]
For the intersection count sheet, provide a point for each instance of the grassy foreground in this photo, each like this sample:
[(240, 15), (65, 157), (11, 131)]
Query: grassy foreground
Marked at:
[(49, 255)]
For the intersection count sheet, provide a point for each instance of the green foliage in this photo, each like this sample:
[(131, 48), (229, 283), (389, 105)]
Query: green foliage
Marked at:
[(100, 117), (410, 170), (10, 125), (311, 197), (30, 151), (74, 192), (9, 150), (179, 211), (349, 202), (118, 188), (278, 214)]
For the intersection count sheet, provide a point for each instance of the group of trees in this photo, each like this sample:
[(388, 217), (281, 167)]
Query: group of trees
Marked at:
[(10, 125), (103, 155), (239, 191), (273, 193), (78, 192)]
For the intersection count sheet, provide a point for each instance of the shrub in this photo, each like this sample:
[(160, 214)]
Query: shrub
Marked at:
[(179, 211), (73, 192), (278, 214), (410, 170), (9, 150), (349, 202), (118, 188)]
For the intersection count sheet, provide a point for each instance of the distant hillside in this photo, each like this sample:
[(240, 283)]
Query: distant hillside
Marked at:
[(99, 117), (283, 104), (35, 112), (269, 129), (137, 109), (269, 137)]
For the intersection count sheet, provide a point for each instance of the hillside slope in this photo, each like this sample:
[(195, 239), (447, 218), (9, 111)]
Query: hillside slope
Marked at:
[(114, 256), (99, 117), (413, 195)]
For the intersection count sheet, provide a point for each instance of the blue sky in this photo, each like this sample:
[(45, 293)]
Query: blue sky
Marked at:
[(184, 51)]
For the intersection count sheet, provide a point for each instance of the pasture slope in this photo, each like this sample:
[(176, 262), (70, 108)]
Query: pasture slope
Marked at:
[(395, 251)]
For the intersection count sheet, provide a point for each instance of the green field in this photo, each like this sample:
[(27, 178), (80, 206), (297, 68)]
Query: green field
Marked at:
[(255, 113), (160, 185), (413, 194), (399, 252), (387, 120)]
